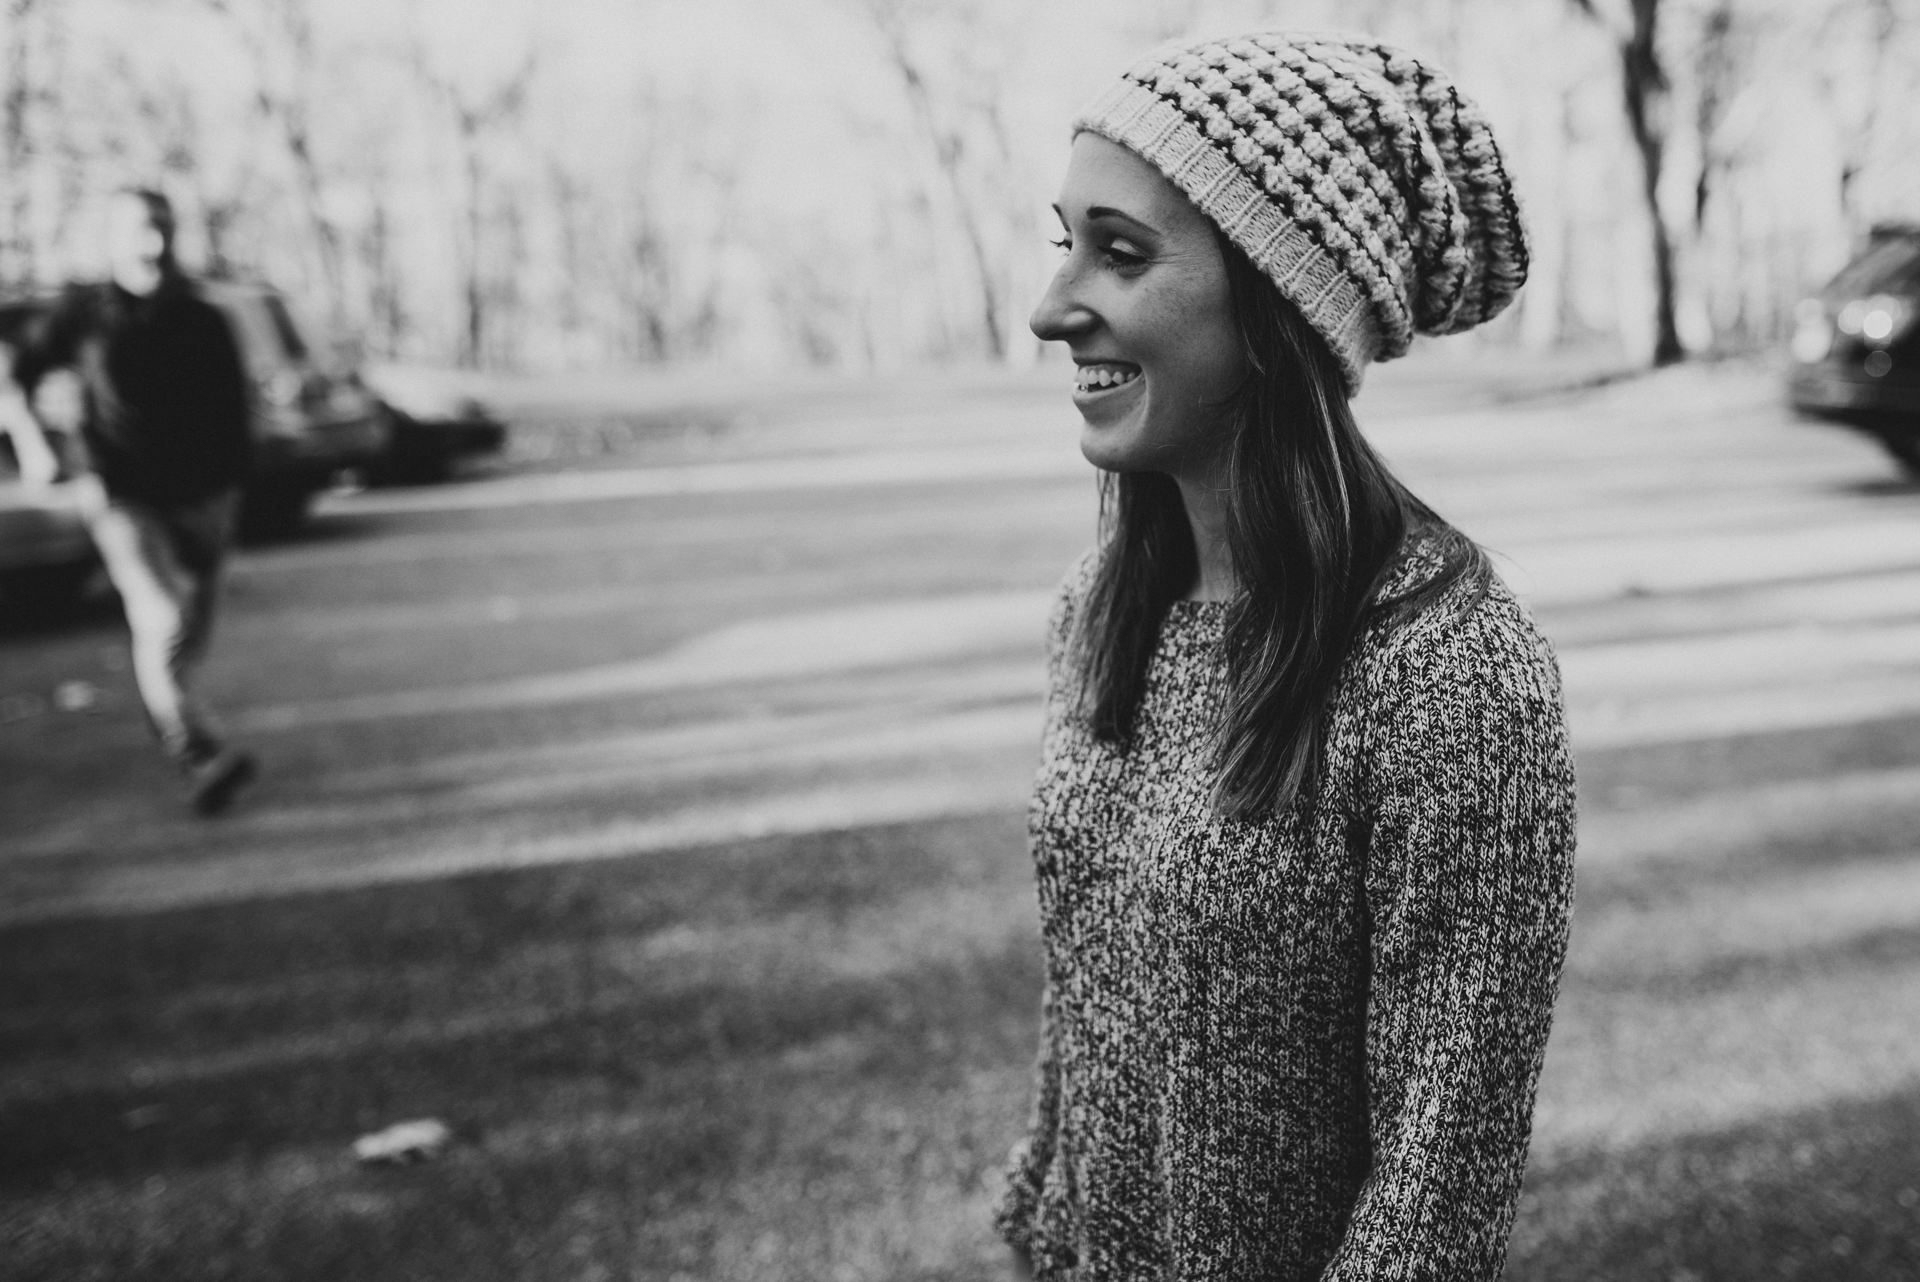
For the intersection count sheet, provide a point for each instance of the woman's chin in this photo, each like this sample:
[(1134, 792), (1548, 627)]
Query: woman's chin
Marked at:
[(1098, 447), (1109, 432)]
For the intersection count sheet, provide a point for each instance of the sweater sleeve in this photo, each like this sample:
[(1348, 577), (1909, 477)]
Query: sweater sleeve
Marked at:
[(1027, 1165), (226, 408), (1468, 891), (1019, 1207)]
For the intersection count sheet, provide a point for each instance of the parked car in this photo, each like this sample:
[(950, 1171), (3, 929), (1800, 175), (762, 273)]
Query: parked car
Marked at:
[(438, 416), (46, 555), (1856, 345), (312, 416)]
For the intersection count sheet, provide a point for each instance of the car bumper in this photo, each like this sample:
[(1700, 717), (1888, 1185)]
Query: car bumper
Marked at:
[(1834, 395), (40, 530), (323, 446), (448, 438)]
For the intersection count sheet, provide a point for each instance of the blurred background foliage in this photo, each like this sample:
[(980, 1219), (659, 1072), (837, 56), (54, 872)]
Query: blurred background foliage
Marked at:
[(514, 184)]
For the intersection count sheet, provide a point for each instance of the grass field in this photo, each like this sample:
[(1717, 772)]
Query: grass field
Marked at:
[(780, 1060), (803, 1058)]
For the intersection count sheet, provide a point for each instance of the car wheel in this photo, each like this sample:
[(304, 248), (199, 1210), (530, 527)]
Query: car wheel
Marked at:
[(269, 512), (411, 468), (48, 586)]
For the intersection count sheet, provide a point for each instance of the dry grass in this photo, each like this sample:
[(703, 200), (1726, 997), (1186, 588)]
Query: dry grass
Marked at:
[(804, 1058)]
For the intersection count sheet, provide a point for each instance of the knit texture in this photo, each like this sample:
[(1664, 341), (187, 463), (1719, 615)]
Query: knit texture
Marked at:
[(1303, 1045), (1361, 180)]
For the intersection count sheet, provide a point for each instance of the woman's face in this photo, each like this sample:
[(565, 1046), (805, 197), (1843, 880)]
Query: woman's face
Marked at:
[(1142, 302)]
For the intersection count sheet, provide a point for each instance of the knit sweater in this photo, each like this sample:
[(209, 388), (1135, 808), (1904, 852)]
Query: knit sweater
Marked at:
[(1302, 1045)]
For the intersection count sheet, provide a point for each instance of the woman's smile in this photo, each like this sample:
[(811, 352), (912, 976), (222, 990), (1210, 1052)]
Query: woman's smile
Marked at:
[(1142, 302), (1100, 386)]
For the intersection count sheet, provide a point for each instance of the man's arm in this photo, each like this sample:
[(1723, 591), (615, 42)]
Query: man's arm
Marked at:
[(229, 410), (41, 344)]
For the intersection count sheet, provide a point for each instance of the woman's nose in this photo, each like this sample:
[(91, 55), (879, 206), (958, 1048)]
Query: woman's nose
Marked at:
[(1060, 314)]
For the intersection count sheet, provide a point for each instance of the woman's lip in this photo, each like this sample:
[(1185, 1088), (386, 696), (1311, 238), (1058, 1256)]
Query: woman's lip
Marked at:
[(1085, 396)]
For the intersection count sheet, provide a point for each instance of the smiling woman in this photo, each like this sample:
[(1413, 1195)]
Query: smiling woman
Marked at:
[(1143, 301), (1303, 828)]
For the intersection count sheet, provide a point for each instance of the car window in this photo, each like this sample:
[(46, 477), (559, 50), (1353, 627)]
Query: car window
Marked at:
[(254, 332), (1892, 265), (14, 318), (289, 333)]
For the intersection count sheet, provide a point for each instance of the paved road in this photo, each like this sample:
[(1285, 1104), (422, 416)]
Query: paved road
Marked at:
[(830, 615)]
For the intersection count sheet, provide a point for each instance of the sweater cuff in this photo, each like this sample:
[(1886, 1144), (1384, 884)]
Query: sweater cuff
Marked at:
[(1019, 1201)]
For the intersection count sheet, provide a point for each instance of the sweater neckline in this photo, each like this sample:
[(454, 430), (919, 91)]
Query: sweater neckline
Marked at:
[(1183, 613), (1416, 560)]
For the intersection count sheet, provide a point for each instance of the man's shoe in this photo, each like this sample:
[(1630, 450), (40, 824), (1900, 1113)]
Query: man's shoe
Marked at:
[(215, 782)]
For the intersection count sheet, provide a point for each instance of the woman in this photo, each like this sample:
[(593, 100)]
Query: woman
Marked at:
[(1303, 829)]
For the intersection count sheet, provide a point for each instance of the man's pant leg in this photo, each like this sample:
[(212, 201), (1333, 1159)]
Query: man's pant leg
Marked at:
[(166, 564)]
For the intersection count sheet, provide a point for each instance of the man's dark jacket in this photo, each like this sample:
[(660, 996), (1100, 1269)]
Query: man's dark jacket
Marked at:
[(166, 418)]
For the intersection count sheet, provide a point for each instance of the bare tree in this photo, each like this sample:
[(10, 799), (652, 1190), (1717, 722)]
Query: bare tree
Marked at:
[(18, 253), (478, 116), (678, 223), (949, 142), (1647, 94), (1867, 59), (1721, 77), (571, 203), (387, 320), (280, 41), (1717, 67)]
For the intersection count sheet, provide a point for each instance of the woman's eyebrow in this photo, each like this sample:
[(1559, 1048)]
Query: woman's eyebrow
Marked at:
[(1107, 211)]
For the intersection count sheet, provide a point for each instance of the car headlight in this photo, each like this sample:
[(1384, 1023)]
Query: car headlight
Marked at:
[(1812, 332), (1878, 319), (1886, 318)]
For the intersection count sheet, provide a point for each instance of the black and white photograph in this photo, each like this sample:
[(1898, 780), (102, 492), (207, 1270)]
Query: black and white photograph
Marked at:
[(960, 640)]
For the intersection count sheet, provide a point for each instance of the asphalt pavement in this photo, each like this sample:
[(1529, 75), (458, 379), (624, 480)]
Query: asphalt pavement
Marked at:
[(820, 605)]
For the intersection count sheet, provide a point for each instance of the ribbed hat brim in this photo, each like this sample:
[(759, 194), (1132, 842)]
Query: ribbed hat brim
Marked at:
[(1308, 276)]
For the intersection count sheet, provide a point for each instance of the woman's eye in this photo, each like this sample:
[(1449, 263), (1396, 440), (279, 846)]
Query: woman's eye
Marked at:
[(1064, 244), (1122, 259)]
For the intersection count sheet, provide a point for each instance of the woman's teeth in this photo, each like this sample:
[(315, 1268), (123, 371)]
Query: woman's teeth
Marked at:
[(1093, 377)]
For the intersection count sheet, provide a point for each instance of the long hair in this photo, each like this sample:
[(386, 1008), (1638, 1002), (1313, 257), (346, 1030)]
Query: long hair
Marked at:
[(1316, 521)]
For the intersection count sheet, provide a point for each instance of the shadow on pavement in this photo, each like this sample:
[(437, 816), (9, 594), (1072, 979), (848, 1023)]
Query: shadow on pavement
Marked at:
[(1883, 487), (336, 526), (30, 616)]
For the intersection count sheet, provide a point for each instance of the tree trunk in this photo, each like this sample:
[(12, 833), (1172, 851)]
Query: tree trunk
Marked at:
[(1647, 94), (1857, 146), (947, 150), (474, 333), (326, 237), (1648, 101)]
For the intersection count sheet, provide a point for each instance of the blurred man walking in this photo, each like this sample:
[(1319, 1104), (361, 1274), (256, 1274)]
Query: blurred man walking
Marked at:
[(165, 443)]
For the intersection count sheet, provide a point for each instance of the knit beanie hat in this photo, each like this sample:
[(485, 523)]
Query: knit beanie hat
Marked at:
[(1359, 179)]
